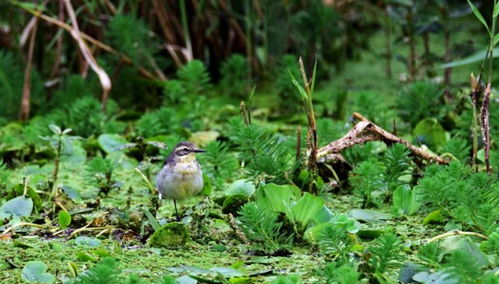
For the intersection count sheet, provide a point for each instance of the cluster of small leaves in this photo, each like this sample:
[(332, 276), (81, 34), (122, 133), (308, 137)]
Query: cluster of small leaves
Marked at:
[(262, 226), (419, 100), (464, 263), (375, 179), (342, 274), (101, 172), (459, 148), (218, 163), (195, 77), (471, 199), (367, 103), (107, 272), (264, 154), (11, 84), (333, 240), (136, 42), (160, 121), (386, 253), (236, 74), (86, 118)]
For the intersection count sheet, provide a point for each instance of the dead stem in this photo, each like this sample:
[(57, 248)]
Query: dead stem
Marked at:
[(26, 97), (485, 126)]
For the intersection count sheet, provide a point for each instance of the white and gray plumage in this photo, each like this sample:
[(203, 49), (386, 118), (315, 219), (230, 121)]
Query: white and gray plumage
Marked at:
[(181, 175)]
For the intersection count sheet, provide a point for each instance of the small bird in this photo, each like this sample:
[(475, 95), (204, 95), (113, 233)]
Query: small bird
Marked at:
[(181, 175)]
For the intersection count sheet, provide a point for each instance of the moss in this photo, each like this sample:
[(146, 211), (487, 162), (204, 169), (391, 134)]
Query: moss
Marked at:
[(170, 235)]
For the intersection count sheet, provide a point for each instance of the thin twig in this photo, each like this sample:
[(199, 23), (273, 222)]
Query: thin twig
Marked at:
[(26, 97), (88, 38), (24, 224), (457, 233), (89, 58)]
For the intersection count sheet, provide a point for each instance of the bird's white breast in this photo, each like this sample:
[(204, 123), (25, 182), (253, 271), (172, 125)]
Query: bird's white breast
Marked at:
[(180, 181)]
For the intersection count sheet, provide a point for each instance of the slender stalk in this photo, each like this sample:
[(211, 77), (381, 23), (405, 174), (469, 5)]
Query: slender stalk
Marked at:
[(185, 27), (57, 162), (312, 126), (26, 97)]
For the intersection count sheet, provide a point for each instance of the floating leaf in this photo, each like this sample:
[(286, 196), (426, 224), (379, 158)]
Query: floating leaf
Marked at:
[(20, 206), (36, 271), (87, 241), (368, 215), (428, 131), (241, 187), (111, 142)]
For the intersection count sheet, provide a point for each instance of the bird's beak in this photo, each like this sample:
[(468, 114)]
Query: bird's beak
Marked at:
[(198, 151)]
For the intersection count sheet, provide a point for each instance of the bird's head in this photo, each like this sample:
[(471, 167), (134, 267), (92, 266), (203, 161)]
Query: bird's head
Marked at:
[(185, 151)]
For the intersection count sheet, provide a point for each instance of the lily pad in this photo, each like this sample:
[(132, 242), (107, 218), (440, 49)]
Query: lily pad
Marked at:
[(36, 271), (20, 206), (368, 215)]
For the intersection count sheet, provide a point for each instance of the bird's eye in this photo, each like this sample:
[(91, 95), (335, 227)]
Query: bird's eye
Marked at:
[(183, 151)]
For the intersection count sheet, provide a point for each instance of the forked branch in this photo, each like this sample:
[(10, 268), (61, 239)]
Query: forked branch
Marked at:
[(365, 131)]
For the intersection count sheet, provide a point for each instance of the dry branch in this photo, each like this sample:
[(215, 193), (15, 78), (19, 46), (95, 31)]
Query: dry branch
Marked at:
[(365, 131), (90, 39), (87, 54)]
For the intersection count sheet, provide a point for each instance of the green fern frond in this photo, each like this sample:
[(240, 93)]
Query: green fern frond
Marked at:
[(195, 77), (386, 253), (104, 272), (261, 226)]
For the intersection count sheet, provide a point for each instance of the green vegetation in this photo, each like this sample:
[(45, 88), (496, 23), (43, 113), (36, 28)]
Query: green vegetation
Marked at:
[(343, 141)]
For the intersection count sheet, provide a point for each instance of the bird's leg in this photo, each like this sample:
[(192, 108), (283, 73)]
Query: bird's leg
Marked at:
[(176, 212)]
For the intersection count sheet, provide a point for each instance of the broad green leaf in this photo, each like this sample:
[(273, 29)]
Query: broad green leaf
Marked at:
[(241, 187), (350, 224), (56, 129), (405, 199), (36, 271), (473, 251), (277, 197), (20, 206), (64, 219), (307, 208), (496, 38), (496, 9), (111, 142), (430, 132), (479, 15), (433, 217)]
